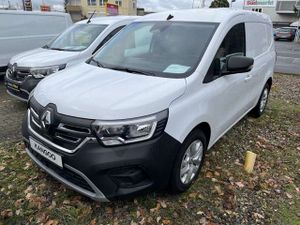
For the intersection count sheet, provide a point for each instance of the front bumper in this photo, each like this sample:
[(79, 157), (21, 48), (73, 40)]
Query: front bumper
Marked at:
[(21, 89), (109, 173)]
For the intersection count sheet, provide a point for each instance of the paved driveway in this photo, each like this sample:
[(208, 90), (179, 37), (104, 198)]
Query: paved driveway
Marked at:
[(288, 57), (11, 114)]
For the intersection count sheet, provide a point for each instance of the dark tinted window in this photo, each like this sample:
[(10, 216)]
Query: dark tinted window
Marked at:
[(233, 43)]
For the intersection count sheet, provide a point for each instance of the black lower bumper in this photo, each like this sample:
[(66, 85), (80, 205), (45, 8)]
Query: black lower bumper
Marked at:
[(2, 70), (21, 89), (117, 172)]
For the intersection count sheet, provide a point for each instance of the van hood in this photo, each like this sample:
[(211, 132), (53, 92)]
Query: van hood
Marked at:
[(43, 57), (87, 91)]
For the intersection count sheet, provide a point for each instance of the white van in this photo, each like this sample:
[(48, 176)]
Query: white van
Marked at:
[(142, 113), (73, 46), (21, 31)]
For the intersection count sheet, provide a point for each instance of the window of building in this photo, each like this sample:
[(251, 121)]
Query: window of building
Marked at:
[(233, 43), (134, 4), (102, 2), (119, 3), (91, 2)]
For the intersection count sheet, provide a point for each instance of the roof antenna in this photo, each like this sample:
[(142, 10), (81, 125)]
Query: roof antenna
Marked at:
[(89, 20), (170, 17)]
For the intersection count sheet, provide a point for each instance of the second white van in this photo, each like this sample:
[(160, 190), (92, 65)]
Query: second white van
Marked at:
[(73, 46)]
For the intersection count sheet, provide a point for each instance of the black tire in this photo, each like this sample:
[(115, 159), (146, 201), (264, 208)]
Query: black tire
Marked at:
[(257, 111), (176, 185)]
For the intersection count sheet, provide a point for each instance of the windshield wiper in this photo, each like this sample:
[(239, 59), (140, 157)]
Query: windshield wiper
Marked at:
[(97, 63), (58, 49), (130, 70)]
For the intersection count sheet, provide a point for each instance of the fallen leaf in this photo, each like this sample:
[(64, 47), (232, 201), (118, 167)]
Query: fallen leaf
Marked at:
[(156, 208), (217, 174), (203, 220), (166, 221), (163, 204), (193, 195), (218, 190), (51, 222), (133, 223), (239, 184), (7, 213), (2, 168), (258, 216), (93, 221), (289, 196), (138, 214), (66, 202), (109, 210), (209, 174), (200, 213), (158, 219)]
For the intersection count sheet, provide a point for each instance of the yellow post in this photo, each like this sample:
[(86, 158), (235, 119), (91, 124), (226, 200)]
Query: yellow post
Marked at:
[(249, 161)]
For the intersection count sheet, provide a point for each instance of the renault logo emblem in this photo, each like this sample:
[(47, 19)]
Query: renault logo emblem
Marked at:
[(14, 67), (46, 119)]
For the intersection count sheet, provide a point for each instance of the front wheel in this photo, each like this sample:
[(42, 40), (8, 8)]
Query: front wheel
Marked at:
[(188, 162), (260, 107)]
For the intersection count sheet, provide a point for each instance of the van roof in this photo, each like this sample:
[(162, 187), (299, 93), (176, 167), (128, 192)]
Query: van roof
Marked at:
[(109, 19), (216, 15), (33, 12)]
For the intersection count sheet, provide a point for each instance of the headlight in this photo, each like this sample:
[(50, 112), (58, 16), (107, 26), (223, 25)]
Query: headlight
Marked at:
[(128, 131), (41, 72)]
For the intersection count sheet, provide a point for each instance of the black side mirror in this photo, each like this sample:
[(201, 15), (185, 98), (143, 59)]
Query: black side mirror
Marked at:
[(238, 64)]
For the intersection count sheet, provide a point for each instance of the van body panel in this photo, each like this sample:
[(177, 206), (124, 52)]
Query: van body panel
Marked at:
[(222, 102), (138, 98), (45, 57), (21, 31)]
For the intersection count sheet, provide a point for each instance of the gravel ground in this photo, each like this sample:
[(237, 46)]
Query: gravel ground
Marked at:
[(223, 193)]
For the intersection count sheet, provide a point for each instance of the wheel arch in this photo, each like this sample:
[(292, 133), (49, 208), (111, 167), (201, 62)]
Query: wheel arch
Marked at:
[(270, 82), (205, 128)]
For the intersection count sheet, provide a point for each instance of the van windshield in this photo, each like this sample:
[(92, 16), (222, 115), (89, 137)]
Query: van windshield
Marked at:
[(76, 38), (160, 48)]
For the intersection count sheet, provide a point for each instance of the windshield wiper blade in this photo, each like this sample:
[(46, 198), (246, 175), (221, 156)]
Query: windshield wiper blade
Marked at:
[(58, 49), (97, 63), (129, 70)]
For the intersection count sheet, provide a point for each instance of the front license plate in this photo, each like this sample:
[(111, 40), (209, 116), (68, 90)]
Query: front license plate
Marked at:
[(13, 86), (46, 153)]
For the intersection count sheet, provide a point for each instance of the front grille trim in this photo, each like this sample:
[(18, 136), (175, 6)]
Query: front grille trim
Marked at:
[(55, 146), (20, 74)]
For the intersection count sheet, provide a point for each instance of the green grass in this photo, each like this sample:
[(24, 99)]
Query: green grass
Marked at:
[(268, 196)]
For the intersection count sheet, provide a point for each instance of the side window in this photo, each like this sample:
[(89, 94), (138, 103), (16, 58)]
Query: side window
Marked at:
[(233, 43), (258, 44), (108, 37)]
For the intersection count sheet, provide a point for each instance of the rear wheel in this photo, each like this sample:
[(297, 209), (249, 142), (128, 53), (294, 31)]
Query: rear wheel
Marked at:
[(188, 161), (260, 107)]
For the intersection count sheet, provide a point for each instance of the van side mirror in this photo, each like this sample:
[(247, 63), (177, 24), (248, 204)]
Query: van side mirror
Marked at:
[(238, 64)]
